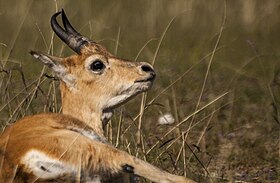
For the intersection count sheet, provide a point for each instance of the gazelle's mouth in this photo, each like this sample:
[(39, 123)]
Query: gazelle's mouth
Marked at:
[(150, 78)]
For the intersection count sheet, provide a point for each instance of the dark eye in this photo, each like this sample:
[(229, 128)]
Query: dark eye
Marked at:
[(97, 66)]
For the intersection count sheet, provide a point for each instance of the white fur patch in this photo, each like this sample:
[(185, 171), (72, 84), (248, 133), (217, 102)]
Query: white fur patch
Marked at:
[(43, 166), (119, 99), (106, 116), (130, 92)]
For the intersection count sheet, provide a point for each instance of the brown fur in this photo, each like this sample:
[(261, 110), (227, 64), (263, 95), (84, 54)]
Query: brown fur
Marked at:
[(45, 132)]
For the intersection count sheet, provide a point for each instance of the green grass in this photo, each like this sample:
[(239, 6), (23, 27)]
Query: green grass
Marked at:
[(235, 138)]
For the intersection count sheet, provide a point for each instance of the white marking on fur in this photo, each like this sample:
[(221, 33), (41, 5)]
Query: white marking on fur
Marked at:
[(126, 94), (106, 116), (117, 100), (43, 166), (58, 68), (63, 74), (35, 55)]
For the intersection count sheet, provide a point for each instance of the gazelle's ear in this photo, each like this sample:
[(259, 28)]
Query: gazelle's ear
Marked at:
[(52, 62), (56, 64)]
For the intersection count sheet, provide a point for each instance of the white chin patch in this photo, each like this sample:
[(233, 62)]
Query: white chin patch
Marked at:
[(45, 167), (135, 89)]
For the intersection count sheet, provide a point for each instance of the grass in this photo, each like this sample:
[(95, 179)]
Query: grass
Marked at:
[(218, 75)]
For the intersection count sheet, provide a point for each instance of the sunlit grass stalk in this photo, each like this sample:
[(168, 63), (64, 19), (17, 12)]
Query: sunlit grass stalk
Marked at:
[(119, 129), (210, 63)]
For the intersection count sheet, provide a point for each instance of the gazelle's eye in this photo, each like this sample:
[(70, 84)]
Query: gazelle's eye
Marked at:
[(97, 66)]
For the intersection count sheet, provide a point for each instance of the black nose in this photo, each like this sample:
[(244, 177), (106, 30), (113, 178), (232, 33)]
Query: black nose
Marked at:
[(147, 68)]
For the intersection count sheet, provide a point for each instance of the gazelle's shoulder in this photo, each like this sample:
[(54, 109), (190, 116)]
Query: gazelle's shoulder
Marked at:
[(51, 122)]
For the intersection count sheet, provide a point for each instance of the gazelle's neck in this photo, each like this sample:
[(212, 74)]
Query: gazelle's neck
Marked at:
[(75, 106)]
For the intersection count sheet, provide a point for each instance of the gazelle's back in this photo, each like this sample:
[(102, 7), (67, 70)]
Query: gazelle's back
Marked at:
[(43, 144)]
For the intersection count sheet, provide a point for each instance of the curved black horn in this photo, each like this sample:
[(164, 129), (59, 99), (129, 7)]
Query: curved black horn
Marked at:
[(68, 27), (68, 35), (58, 29)]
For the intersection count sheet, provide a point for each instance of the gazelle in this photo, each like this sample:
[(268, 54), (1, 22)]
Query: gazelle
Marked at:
[(71, 147)]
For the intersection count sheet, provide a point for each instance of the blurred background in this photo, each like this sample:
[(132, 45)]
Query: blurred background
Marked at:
[(218, 68)]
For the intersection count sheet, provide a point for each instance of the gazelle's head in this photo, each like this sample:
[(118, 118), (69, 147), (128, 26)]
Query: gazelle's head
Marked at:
[(94, 77)]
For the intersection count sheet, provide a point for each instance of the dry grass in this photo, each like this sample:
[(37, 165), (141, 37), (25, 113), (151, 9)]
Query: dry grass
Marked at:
[(218, 75)]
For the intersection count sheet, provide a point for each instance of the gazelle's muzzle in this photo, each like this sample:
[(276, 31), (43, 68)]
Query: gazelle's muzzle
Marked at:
[(148, 70)]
